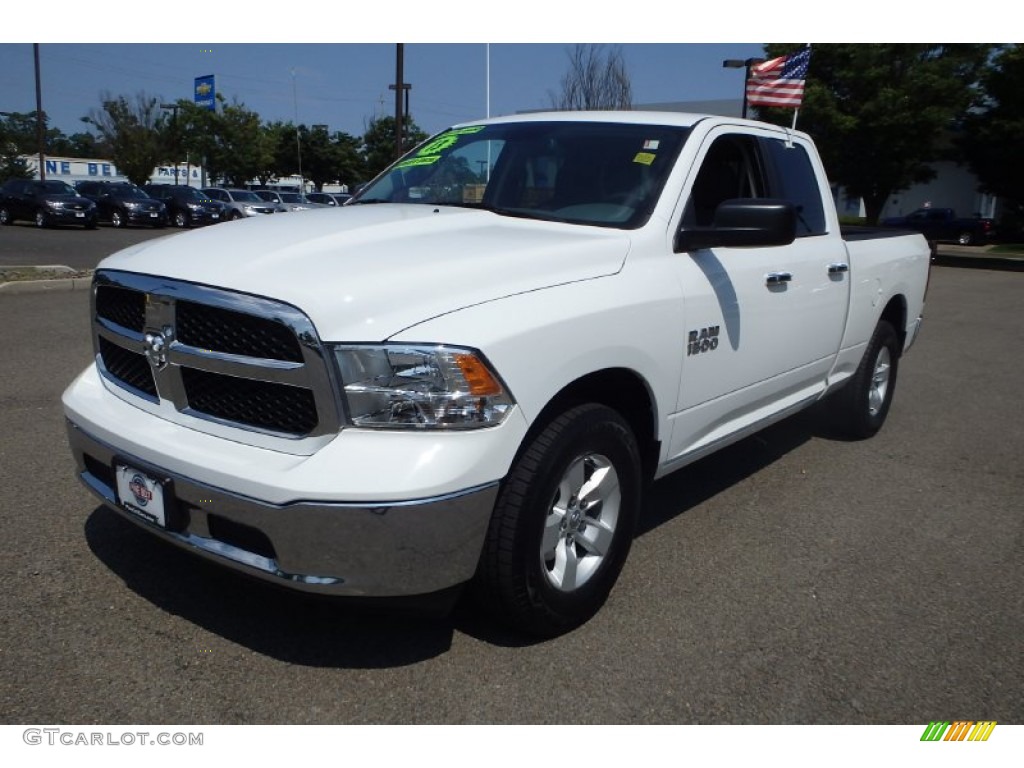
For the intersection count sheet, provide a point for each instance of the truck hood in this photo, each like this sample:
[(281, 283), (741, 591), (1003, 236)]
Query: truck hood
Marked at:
[(364, 273)]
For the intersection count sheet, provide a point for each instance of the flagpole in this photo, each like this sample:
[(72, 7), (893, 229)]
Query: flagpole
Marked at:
[(796, 111)]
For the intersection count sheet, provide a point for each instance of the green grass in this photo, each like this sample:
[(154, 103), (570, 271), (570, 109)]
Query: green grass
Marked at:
[(1008, 248)]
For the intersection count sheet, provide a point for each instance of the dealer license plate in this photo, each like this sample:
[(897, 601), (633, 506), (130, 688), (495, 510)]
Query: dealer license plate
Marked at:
[(152, 215), (141, 494), (80, 214)]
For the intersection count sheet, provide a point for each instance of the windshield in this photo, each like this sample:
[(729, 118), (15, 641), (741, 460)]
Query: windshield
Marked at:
[(191, 193), (607, 174), (292, 197), (128, 193), (245, 197), (57, 188)]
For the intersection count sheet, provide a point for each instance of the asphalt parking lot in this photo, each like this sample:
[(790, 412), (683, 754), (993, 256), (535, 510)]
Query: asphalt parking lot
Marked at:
[(792, 578)]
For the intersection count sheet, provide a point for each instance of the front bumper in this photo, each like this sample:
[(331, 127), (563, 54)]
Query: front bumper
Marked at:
[(359, 549), (147, 217), (71, 216)]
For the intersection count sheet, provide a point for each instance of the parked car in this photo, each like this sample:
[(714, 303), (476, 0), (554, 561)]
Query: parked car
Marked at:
[(292, 201), (123, 203), (187, 206), (942, 225), (47, 203), (332, 199), (241, 202)]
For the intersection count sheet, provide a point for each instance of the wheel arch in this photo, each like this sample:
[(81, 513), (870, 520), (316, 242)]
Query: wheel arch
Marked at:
[(895, 313), (621, 389)]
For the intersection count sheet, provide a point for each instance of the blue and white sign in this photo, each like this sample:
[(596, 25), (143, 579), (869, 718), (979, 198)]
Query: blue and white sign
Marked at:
[(205, 95)]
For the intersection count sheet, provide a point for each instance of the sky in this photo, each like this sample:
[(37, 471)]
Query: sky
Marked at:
[(344, 85), (330, 62)]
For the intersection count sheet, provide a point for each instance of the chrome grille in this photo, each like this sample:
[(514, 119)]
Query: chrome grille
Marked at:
[(260, 404), (125, 307), (236, 333), (234, 359)]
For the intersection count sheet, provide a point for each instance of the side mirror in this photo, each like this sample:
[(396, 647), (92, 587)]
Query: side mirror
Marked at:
[(743, 223)]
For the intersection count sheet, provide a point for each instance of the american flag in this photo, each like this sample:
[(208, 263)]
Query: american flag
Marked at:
[(779, 82)]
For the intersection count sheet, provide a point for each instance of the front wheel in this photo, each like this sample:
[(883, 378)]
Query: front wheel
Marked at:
[(861, 406), (5, 217), (118, 219), (182, 220), (563, 523), (42, 220)]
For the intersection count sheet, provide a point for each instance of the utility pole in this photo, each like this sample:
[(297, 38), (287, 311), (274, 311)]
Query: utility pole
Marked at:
[(174, 135), (298, 140), (399, 88), (40, 130)]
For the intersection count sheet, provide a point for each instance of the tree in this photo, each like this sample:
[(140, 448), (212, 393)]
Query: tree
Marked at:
[(330, 158), (133, 131), (881, 113), (379, 142), (597, 79), (238, 152), (991, 135)]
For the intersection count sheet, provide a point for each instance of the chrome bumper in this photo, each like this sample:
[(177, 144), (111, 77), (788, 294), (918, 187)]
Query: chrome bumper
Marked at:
[(395, 549)]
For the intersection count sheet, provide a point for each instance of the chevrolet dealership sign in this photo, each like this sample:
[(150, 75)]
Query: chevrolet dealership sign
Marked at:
[(205, 94)]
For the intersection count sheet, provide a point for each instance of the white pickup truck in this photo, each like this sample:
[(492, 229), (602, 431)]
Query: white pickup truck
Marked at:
[(470, 373)]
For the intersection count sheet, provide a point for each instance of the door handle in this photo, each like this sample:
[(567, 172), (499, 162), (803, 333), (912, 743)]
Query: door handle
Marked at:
[(777, 278), (838, 268)]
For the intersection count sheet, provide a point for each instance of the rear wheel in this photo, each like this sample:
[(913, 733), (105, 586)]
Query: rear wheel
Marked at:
[(563, 523), (965, 238), (5, 217), (862, 405)]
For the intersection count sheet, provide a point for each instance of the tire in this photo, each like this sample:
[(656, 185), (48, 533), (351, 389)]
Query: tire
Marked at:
[(118, 220), (42, 220), (965, 238), (861, 406), (182, 220), (235, 216), (551, 558), (5, 217)]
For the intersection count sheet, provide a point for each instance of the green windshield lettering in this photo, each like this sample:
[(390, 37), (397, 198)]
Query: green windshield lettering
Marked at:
[(447, 140), (412, 162)]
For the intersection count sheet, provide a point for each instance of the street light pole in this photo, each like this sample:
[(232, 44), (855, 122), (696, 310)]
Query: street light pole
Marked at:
[(746, 65)]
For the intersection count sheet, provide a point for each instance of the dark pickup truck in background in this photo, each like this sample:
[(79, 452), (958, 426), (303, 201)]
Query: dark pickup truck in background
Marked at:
[(941, 225)]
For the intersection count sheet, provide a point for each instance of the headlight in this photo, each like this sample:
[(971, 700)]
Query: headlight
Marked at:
[(405, 387), (195, 206), (131, 206), (54, 204)]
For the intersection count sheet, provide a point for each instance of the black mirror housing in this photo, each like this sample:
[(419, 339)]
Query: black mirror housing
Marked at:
[(743, 223)]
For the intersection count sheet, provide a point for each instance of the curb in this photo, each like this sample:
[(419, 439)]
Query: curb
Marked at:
[(41, 286)]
